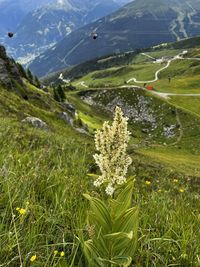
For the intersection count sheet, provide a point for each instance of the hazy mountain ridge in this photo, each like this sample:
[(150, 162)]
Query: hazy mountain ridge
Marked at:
[(137, 25), (12, 12), (115, 60), (44, 27)]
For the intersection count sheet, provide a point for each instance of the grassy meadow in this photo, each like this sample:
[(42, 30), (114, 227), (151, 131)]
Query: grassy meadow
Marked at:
[(44, 173), (43, 177)]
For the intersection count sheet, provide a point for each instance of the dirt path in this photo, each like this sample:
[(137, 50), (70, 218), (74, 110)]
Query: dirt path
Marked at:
[(156, 75), (164, 95), (82, 83), (180, 130), (179, 56)]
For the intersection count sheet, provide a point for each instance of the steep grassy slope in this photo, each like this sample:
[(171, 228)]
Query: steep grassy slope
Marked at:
[(45, 173)]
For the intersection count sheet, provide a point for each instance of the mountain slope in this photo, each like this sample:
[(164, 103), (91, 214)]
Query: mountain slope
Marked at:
[(44, 174), (12, 13), (123, 59), (44, 27), (139, 24)]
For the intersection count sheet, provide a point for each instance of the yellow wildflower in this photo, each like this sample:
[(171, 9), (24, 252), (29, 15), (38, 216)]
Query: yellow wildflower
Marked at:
[(159, 191), (181, 190), (175, 180), (55, 252), (33, 258), (62, 254), (147, 182), (22, 211)]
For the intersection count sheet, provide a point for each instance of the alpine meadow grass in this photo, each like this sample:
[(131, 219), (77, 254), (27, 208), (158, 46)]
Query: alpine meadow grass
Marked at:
[(45, 194)]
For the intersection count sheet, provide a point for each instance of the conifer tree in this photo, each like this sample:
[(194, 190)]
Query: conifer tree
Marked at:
[(56, 95), (61, 93), (22, 70), (37, 82), (30, 76)]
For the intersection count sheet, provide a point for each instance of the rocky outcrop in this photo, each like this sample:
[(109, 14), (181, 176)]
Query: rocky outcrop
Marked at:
[(36, 122), (70, 108), (82, 130), (9, 73), (169, 131), (67, 118), (71, 120), (151, 116)]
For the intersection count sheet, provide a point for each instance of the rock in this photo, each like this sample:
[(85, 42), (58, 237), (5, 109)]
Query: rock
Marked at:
[(36, 122), (168, 131), (69, 120), (145, 131), (81, 130), (66, 117), (85, 128), (70, 108)]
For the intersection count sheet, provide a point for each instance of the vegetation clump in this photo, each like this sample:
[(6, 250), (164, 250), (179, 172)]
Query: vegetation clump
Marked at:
[(59, 94), (114, 221)]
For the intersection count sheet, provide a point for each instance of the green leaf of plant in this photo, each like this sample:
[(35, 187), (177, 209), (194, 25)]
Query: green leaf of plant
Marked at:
[(128, 224), (100, 214), (91, 254), (124, 261), (124, 199), (119, 235)]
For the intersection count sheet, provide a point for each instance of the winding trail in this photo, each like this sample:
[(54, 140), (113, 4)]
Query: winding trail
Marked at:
[(180, 129), (144, 54), (166, 95), (179, 56), (161, 94), (82, 83), (156, 75)]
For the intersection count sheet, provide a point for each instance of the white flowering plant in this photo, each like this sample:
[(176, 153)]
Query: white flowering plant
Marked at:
[(113, 223), (112, 141)]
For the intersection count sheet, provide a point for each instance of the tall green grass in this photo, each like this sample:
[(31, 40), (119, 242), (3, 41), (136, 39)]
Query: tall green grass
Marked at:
[(46, 174)]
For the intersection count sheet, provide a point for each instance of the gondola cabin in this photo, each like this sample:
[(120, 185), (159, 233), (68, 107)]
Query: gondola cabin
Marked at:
[(10, 34), (94, 36)]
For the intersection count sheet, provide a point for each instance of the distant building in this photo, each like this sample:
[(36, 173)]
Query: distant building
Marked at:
[(149, 87), (161, 60), (184, 52)]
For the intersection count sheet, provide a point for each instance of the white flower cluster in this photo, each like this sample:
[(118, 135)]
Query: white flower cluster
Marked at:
[(112, 141)]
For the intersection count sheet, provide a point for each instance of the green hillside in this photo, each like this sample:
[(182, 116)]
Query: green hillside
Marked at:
[(44, 171), (119, 71)]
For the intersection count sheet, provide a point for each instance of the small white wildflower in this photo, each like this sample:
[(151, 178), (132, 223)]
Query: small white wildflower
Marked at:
[(110, 190), (98, 182), (112, 141)]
